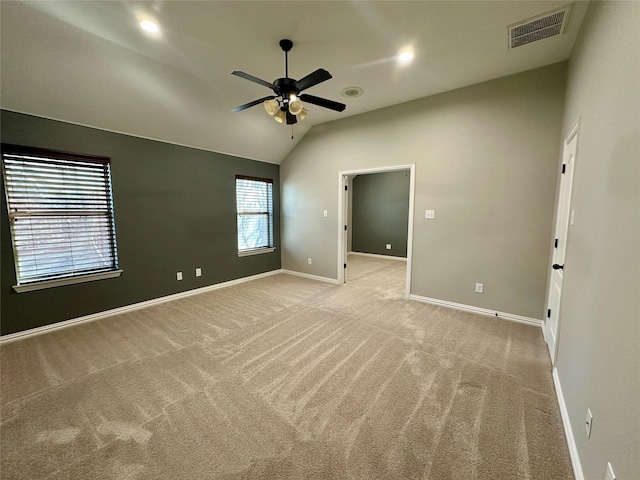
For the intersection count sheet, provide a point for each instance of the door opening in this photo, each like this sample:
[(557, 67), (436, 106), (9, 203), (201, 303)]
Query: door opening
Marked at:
[(344, 222)]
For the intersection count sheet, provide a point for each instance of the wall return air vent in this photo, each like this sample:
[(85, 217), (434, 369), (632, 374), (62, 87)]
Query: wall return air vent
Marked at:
[(537, 28)]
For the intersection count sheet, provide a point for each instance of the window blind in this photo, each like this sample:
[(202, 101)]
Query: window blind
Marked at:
[(61, 213), (254, 205)]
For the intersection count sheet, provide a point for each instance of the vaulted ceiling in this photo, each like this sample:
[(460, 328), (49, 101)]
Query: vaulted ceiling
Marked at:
[(89, 62)]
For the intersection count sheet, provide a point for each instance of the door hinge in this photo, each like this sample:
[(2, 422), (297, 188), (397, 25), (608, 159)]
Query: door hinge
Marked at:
[(345, 265), (346, 188), (555, 243), (548, 313), (345, 227), (564, 167)]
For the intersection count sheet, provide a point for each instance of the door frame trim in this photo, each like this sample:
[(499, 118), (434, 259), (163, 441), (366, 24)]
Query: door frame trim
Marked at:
[(342, 247)]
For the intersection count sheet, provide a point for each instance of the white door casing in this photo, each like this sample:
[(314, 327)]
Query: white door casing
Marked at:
[(563, 218)]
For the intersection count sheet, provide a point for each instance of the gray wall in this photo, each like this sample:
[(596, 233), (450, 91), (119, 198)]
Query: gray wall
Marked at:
[(599, 344), (380, 203), (486, 160), (174, 211)]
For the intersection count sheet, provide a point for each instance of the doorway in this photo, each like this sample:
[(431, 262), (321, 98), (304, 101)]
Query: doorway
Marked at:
[(563, 220), (344, 220)]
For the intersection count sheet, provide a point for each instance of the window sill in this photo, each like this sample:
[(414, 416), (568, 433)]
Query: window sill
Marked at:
[(59, 282), (257, 251)]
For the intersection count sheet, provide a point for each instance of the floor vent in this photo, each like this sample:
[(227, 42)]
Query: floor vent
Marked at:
[(543, 26)]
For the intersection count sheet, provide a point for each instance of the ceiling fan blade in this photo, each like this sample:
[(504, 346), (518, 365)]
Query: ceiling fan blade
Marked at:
[(251, 104), (323, 102), (251, 78), (312, 79)]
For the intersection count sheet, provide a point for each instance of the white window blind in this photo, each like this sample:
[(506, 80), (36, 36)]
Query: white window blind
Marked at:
[(61, 213), (254, 206)]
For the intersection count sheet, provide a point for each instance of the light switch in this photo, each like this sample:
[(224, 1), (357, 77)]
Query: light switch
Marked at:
[(326, 214), (198, 272), (430, 214)]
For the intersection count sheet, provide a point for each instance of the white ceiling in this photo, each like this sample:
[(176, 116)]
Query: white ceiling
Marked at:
[(88, 62)]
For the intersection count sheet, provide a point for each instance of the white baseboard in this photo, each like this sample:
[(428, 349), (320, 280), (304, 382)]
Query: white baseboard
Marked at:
[(376, 255), (568, 431), (308, 275), (12, 337), (481, 311)]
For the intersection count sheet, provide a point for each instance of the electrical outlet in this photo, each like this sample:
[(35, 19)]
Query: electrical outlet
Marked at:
[(309, 261), (326, 214), (388, 246), (179, 276), (198, 272), (479, 287), (588, 421), (609, 475), (430, 214)]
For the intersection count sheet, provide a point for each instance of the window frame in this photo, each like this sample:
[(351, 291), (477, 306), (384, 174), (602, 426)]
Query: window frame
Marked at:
[(269, 214), (65, 278)]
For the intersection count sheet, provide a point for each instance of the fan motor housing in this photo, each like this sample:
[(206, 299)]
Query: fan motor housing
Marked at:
[(285, 87)]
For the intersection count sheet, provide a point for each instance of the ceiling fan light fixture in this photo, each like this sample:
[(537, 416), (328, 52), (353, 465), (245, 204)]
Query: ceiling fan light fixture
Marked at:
[(280, 116), (285, 106), (295, 105), (272, 106)]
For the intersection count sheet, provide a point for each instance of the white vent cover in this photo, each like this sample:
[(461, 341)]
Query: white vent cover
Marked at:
[(543, 26)]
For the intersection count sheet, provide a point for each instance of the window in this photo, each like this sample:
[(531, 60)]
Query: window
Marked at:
[(61, 216), (254, 207)]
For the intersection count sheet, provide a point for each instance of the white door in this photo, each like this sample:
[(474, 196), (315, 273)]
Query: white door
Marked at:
[(563, 218)]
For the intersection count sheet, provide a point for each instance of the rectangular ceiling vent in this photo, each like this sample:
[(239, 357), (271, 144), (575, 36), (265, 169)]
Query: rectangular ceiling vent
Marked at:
[(543, 26)]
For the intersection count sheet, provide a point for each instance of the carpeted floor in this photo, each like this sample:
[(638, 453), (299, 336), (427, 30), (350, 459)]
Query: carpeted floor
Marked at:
[(283, 378)]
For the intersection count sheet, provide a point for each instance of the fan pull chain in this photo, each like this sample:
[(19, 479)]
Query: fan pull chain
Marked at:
[(291, 132)]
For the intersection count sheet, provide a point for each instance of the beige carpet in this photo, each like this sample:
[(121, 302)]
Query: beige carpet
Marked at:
[(283, 378)]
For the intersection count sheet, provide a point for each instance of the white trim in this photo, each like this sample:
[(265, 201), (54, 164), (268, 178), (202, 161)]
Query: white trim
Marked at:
[(139, 136), (341, 214), (257, 251), (312, 277), (568, 431), (60, 282), (412, 195), (573, 132), (482, 311), (12, 337), (377, 255)]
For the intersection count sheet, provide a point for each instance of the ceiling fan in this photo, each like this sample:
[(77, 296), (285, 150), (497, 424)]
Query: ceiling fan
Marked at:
[(286, 105)]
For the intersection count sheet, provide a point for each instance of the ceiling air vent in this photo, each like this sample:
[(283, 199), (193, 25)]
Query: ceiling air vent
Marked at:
[(543, 26)]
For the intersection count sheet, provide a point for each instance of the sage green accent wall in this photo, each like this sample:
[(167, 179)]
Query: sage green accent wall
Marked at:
[(380, 204), (174, 211), (598, 358), (486, 160)]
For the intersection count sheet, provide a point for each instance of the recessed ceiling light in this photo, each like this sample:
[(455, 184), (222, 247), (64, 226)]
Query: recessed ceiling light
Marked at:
[(351, 92), (405, 56), (149, 26)]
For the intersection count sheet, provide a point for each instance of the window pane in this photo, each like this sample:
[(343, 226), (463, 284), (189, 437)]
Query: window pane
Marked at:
[(61, 214), (254, 204), (253, 231)]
